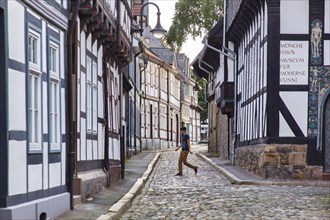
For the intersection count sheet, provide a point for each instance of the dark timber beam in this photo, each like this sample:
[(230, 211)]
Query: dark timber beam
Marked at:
[(273, 68)]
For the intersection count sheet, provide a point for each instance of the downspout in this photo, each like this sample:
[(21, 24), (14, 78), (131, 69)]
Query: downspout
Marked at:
[(121, 133), (69, 107), (106, 114), (135, 91), (141, 71), (233, 57)]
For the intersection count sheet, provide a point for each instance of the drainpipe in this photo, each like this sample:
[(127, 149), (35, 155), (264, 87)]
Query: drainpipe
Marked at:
[(231, 55), (106, 117), (69, 107), (135, 90)]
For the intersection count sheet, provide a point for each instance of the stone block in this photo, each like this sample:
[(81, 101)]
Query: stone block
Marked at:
[(268, 159), (270, 149), (284, 159), (298, 159), (300, 148), (284, 149), (313, 172), (298, 175)]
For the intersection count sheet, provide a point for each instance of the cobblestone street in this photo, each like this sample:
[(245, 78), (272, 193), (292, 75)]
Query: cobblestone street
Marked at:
[(208, 195)]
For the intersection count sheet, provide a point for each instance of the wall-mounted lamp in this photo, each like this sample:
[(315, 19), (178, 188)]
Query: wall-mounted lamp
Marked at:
[(143, 62), (158, 31)]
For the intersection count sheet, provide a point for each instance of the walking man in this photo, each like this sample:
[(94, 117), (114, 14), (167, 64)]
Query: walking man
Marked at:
[(185, 145)]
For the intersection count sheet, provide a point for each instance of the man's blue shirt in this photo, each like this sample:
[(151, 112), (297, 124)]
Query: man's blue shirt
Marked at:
[(184, 142)]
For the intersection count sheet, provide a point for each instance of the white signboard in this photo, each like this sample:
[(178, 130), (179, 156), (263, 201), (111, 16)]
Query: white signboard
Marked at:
[(294, 63)]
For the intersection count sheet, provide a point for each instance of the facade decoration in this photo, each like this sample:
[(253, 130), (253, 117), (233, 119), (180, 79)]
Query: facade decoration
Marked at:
[(316, 42), (319, 83)]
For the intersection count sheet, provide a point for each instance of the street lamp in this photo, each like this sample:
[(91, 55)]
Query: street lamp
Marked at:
[(158, 31)]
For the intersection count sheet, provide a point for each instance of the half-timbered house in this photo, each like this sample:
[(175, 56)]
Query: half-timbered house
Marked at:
[(101, 54), (33, 111), (277, 52)]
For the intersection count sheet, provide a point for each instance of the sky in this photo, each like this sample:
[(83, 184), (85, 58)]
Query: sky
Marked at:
[(191, 47)]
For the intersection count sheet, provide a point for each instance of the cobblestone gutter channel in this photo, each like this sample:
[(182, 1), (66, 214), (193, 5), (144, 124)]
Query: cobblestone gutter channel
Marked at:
[(125, 202)]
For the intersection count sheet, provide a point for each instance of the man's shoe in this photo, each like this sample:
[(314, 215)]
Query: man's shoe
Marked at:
[(178, 174), (195, 170)]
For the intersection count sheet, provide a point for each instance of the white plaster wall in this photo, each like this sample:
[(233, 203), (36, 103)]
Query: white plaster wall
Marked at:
[(17, 167), (89, 149), (294, 17), (16, 28), (44, 46), (83, 139), (116, 145), (83, 48), (100, 141), (45, 109), (83, 93), (327, 52), (327, 16), (285, 130), (265, 48), (95, 150), (45, 170), (16, 104), (34, 177), (54, 175), (63, 160), (297, 103)]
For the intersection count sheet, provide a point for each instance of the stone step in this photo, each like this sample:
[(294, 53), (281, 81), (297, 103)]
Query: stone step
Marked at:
[(76, 200), (326, 176)]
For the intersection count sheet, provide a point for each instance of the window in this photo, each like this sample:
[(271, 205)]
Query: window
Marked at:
[(34, 110), (54, 101), (34, 96), (33, 48), (91, 89), (53, 59), (110, 97), (54, 114), (89, 93), (94, 95)]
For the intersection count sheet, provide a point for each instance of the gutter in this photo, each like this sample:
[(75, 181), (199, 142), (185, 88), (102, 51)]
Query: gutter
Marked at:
[(69, 107)]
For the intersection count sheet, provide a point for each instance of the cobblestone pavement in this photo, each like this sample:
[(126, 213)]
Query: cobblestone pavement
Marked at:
[(208, 195)]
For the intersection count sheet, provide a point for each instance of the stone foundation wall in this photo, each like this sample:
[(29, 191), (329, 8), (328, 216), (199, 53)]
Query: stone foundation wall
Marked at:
[(280, 161), (91, 182), (222, 135), (212, 142)]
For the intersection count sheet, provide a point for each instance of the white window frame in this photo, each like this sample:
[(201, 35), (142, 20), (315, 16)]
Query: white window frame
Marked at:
[(34, 96), (110, 115), (34, 65), (94, 96), (89, 94), (54, 113), (54, 96), (54, 68)]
